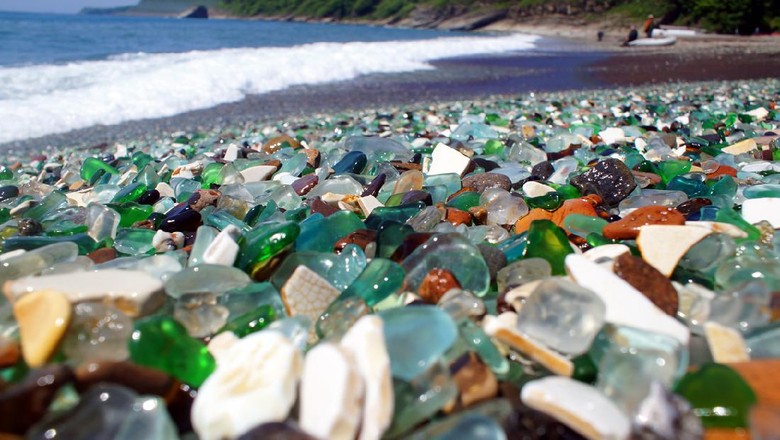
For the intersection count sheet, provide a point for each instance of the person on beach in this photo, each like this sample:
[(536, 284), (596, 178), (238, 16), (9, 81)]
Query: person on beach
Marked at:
[(632, 35), (649, 26)]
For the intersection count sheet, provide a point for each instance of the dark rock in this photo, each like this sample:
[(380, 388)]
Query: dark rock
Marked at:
[(29, 227), (494, 258), (305, 184), (648, 280), (360, 237), (352, 162), (195, 12), (415, 196), (181, 218), (8, 191), (24, 403), (483, 181), (610, 179), (542, 170), (372, 189), (149, 197), (487, 165)]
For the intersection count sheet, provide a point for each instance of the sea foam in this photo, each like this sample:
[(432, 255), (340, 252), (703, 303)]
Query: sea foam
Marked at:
[(46, 99)]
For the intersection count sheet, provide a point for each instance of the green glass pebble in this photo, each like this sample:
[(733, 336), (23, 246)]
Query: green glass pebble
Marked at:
[(719, 396), (130, 193), (320, 234), (377, 281), (92, 166), (53, 201), (6, 174), (221, 219), (64, 227), (390, 235), (724, 186), (493, 147), (465, 200), (582, 225), (251, 321), (395, 200), (209, 176), (258, 246), (669, 169), (399, 214), (339, 317), (550, 201), (728, 215), (691, 187), (548, 241), (568, 191), (162, 343), (416, 337), (585, 370), (141, 159), (131, 213), (250, 297)]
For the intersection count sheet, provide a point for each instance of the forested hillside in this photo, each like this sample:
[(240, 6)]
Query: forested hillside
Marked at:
[(725, 16)]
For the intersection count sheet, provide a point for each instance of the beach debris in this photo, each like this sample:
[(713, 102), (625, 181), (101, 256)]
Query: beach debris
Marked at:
[(560, 263)]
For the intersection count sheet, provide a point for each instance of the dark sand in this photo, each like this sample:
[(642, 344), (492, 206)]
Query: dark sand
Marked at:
[(567, 65)]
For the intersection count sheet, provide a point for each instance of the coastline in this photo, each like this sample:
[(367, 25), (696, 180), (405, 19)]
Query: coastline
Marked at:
[(569, 59)]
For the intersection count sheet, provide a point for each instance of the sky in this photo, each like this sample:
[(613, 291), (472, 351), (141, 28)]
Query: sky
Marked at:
[(61, 6)]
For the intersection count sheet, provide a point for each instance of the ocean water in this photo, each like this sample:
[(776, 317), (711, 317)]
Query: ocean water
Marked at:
[(61, 72)]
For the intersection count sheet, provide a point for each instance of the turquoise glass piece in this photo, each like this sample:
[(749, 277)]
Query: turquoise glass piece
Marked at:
[(416, 337), (514, 247), (134, 241), (340, 270), (353, 162), (762, 191), (480, 342), (321, 234), (379, 279), (451, 181), (419, 400), (548, 241), (53, 201), (205, 278), (83, 241)]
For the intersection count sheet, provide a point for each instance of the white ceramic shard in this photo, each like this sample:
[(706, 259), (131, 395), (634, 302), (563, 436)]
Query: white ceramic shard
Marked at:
[(581, 407), (284, 178), (758, 114), (756, 210), (446, 160), (258, 173), (612, 134), (368, 204), (165, 190), (536, 189), (306, 293), (501, 330), (366, 342), (744, 146), (662, 246), (331, 394), (223, 249), (255, 382), (625, 305), (726, 344), (221, 344), (132, 291), (719, 228), (231, 153)]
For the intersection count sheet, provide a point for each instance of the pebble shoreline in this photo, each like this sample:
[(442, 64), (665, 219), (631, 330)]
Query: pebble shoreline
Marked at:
[(598, 264)]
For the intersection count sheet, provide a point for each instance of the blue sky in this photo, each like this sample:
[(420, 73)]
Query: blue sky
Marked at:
[(63, 6)]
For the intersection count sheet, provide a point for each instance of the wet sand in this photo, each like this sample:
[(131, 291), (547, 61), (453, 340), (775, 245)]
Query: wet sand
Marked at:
[(558, 65)]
